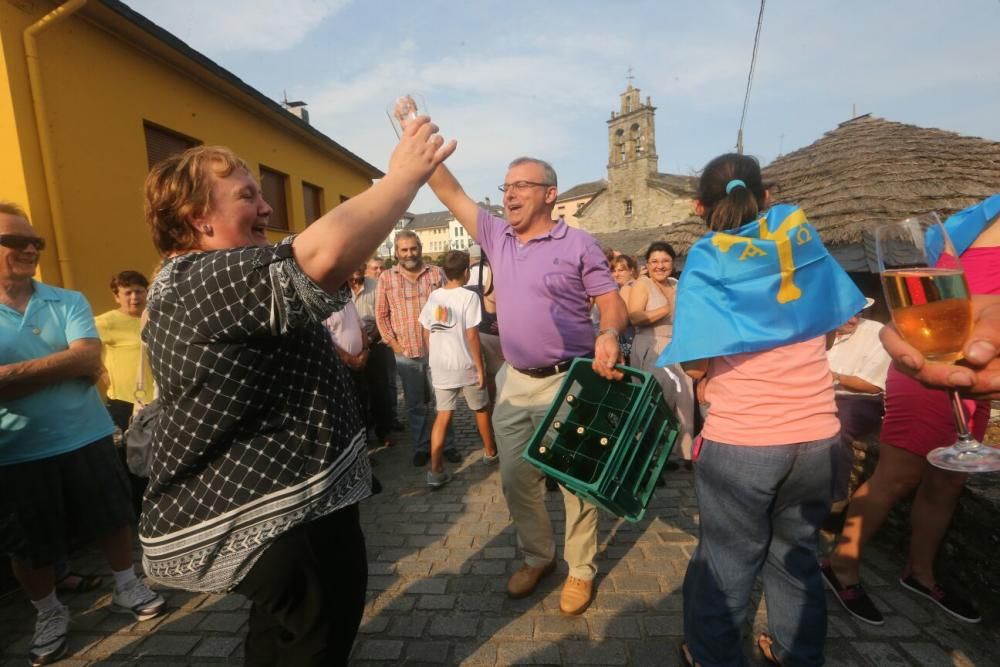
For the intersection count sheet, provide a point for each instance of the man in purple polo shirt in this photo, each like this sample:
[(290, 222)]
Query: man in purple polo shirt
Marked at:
[(545, 274)]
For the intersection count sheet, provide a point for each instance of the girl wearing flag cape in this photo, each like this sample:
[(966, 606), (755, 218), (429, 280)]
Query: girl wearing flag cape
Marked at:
[(756, 298)]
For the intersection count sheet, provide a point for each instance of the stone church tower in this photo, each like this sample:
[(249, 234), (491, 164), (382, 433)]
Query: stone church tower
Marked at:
[(637, 195), (631, 150)]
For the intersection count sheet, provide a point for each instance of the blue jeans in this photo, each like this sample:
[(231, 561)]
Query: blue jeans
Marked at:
[(414, 374), (761, 509)]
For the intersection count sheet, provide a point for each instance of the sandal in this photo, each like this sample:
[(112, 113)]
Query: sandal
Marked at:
[(765, 646), (686, 658), (84, 583)]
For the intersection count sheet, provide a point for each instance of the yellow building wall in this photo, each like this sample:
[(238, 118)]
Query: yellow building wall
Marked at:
[(100, 89), (567, 209), (12, 186), (15, 139), (433, 240)]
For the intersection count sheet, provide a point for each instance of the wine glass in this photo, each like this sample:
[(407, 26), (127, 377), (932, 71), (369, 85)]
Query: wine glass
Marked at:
[(405, 107), (928, 298)]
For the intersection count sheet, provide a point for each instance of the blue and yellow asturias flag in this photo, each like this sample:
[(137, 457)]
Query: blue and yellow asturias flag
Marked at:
[(963, 227), (769, 283)]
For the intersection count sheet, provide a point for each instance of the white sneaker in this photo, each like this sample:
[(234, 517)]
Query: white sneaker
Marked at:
[(137, 599), (49, 643), (436, 480)]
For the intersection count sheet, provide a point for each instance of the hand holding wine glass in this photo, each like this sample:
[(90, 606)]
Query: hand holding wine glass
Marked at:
[(979, 374), (928, 297)]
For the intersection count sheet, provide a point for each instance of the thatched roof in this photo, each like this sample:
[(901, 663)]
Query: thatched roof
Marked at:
[(869, 171), (681, 235)]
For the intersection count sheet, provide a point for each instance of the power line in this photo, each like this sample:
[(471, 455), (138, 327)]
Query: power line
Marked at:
[(753, 62)]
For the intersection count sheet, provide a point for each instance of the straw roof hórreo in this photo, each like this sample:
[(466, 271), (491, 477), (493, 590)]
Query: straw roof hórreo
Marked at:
[(870, 171)]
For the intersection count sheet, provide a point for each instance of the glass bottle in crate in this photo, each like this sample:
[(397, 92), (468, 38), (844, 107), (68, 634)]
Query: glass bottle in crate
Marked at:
[(581, 411), (597, 416), (570, 436), (546, 452), (591, 453)]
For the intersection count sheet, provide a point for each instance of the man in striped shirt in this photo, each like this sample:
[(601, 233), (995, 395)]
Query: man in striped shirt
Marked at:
[(401, 294)]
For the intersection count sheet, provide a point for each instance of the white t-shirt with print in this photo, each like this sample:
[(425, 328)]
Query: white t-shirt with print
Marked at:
[(447, 314)]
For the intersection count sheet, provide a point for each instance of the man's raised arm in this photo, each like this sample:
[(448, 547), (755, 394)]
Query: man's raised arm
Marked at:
[(447, 188)]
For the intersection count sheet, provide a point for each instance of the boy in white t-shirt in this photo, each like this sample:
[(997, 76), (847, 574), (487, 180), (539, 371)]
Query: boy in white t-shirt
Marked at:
[(450, 319)]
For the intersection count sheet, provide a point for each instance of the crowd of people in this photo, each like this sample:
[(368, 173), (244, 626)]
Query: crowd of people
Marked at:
[(275, 368)]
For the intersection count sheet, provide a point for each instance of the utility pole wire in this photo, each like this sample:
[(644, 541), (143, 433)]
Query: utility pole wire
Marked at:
[(753, 62)]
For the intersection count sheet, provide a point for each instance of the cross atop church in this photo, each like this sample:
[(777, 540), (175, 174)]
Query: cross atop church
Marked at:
[(629, 77)]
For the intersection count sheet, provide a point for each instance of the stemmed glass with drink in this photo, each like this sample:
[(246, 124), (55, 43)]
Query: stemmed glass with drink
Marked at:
[(928, 297)]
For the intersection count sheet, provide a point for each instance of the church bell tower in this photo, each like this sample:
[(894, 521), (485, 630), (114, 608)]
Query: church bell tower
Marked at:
[(632, 135), (631, 158)]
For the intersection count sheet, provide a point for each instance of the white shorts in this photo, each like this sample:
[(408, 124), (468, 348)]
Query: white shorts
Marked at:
[(475, 397)]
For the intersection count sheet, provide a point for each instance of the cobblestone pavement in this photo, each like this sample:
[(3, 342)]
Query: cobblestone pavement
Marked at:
[(439, 562)]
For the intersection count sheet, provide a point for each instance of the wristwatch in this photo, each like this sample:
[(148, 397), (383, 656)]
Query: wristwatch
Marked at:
[(836, 380), (611, 330)]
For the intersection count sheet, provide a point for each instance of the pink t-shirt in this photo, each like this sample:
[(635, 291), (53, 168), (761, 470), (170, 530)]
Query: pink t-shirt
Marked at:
[(780, 396)]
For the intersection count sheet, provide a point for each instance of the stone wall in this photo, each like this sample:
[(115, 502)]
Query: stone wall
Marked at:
[(650, 208)]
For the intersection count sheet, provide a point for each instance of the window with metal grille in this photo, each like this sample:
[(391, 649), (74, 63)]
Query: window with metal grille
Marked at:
[(162, 143), (273, 185), (628, 207), (312, 200)]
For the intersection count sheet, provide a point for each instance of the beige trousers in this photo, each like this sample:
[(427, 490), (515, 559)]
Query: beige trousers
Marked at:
[(522, 403)]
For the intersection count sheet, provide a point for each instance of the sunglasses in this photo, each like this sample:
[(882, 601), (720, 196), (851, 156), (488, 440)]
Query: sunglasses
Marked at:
[(18, 242)]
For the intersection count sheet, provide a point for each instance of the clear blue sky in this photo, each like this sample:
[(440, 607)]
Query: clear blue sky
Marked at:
[(541, 78)]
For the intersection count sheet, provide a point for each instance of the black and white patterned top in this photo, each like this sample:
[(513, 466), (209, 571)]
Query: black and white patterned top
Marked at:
[(260, 429)]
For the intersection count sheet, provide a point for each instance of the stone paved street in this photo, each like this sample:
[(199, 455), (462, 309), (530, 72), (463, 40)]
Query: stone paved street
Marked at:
[(438, 568)]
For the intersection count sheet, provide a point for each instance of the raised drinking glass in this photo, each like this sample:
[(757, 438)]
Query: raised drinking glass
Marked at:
[(928, 297), (405, 107)]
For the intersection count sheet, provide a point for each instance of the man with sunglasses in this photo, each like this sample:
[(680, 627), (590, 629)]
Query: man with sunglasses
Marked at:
[(546, 274), (58, 467)]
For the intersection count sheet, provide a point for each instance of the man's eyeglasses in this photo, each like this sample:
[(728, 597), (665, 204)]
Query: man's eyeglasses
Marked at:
[(521, 186), (18, 242)]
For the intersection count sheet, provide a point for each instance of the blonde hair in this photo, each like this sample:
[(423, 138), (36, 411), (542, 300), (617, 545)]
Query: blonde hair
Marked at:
[(10, 208), (179, 188)]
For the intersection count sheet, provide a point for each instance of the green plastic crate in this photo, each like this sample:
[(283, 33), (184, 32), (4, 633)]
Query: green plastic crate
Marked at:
[(606, 441)]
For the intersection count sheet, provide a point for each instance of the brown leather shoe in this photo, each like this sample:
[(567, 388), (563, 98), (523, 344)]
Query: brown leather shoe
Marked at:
[(576, 596), (523, 582)]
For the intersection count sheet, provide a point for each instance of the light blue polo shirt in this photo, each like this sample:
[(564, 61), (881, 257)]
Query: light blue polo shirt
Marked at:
[(66, 415)]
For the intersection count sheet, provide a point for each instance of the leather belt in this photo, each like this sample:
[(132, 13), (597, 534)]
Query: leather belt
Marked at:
[(546, 371)]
